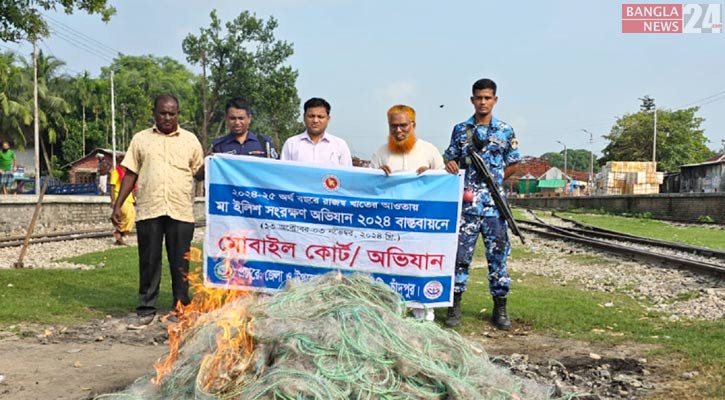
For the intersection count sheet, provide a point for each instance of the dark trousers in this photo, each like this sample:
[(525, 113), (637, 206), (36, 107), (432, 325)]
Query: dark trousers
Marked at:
[(151, 234)]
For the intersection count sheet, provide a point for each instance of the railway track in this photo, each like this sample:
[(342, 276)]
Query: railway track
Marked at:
[(693, 258), (593, 231), (13, 241), (56, 237)]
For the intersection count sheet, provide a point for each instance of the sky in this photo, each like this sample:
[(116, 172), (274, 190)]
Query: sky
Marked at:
[(561, 66)]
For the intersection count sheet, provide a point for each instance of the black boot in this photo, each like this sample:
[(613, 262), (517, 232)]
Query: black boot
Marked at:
[(453, 318), (500, 319)]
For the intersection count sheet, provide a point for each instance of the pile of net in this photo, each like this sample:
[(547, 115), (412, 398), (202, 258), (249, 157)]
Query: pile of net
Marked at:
[(337, 337)]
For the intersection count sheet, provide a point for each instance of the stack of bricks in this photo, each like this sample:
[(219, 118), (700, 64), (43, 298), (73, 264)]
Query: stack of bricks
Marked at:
[(629, 177)]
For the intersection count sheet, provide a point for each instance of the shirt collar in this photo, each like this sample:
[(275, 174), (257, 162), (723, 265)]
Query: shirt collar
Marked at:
[(251, 137), (174, 133), (472, 122), (306, 136)]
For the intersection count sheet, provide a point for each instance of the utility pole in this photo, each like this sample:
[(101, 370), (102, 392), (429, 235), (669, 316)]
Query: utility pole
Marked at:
[(654, 140), (646, 103), (565, 154), (124, 142), (36, 125), (113, 123), (83, 137), (204, 106), (565, 174), (591, 161)]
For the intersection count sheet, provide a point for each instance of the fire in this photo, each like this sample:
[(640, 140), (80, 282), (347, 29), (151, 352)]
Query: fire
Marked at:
[(193, 255), (233, 353)]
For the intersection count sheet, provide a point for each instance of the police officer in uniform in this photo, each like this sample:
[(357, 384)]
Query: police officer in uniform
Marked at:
[(495, 141)]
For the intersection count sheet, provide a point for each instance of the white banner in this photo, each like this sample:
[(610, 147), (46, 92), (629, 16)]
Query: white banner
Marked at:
[(269, 221)]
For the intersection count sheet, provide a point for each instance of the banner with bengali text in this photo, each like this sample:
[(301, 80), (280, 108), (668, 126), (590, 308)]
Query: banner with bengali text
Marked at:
[(268, 221)]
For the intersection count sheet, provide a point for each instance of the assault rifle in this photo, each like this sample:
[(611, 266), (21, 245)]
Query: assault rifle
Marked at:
[(486, 177)]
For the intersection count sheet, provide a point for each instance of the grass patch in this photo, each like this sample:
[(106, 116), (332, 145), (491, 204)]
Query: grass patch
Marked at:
[(518, 213), (688, 295), (518, 251), (692, 235), (72, 296), (572, 313)]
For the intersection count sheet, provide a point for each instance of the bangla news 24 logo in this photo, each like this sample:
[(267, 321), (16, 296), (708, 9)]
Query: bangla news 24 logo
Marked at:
[(671, 18)]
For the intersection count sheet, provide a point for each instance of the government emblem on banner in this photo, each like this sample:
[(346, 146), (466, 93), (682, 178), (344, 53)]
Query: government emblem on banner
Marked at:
[(223, 270), (433, 290), (331, 183)]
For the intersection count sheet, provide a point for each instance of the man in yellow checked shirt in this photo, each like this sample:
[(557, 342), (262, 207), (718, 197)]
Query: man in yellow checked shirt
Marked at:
[(128, 212)]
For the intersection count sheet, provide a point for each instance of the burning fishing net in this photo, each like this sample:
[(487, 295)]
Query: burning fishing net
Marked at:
[(337, 337)]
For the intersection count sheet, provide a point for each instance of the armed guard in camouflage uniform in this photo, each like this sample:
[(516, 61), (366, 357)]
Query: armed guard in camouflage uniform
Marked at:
[(496, 143)]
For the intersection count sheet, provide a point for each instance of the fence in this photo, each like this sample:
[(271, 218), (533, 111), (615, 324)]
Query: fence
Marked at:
[(55, 186)]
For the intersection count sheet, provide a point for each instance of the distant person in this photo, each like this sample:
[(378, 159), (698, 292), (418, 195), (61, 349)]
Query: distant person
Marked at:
[(240, 140), (315, 144), (102, 171), (128, 212), (495, 141), (405, 152), (8, 166), (162, 160)]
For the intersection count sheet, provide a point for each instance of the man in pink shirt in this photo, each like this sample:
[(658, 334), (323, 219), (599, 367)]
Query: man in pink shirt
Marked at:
[(315, 144)]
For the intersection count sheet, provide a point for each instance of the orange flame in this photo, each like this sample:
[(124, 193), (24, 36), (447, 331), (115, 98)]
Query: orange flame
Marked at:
[(233, 354), (193, 255)]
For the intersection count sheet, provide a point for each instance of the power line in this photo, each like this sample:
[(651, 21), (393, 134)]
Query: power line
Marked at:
[(694, 103), (82, 36), (81, 41), (81, 46), (14, 50), (64, 67), (713, 101)]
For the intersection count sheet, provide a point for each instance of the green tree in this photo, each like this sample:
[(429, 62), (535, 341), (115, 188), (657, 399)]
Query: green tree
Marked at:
[(577, 160), (680, 140), (245, 60), (555, 159), (138, 79), (15, 115), (52, 107), (85, 129), (22, 19), (75, 112), (81, 95)]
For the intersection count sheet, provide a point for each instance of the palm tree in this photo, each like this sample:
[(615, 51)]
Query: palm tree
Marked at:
[(52, 108), (82, 87), (16, 115)]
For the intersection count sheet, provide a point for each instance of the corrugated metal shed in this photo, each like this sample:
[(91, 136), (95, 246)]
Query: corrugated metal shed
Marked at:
[(705, 177)]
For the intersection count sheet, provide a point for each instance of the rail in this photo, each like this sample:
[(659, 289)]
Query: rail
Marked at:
[(550, 231)]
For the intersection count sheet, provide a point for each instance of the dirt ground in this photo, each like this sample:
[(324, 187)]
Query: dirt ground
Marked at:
[(105, 356), (76, 362)]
